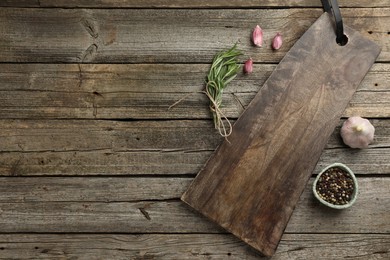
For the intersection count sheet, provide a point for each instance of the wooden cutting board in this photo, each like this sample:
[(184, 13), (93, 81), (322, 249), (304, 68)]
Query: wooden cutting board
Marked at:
[(252, 182)]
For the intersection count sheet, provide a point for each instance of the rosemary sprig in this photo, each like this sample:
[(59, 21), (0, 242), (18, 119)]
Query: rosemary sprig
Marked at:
[(223, 70)]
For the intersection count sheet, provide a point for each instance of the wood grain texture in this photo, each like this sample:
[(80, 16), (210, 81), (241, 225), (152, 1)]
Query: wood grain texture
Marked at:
[(189, 246), (252, 183), (73, 147), (59, 208), (117, 105), (185, 3), (72, 172), (90, 189), (108, 136), (145, 91), (163, 163), (185, 36), (146, 78), (138, 136)]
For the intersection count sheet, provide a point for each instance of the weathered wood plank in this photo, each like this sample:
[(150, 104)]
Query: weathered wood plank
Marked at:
[(91, 189), (84, 163), (369, 161), (151, 162), (370, 214), (147, 90), (59, 105), (69, 135), (140, 78), (145, 78), (57, 147), (105, 189), (186, 3), (114, 136), (130, 36), (110, 136), (189, 246)]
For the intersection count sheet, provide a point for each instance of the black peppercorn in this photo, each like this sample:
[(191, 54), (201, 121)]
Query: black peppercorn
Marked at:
[(335, 186)]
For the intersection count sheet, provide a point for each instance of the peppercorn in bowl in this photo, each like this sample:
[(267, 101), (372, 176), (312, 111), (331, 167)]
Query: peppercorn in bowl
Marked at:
[(336, 186)]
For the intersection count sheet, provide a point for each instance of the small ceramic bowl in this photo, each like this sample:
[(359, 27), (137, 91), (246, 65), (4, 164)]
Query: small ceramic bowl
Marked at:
[(355, 185)]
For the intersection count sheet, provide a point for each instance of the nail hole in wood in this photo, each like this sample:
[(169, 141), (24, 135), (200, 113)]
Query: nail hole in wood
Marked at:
[(97, 94), (376, 84), (369, 32)]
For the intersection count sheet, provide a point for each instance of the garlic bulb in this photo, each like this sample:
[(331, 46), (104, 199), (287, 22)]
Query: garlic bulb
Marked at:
[(357, 132)]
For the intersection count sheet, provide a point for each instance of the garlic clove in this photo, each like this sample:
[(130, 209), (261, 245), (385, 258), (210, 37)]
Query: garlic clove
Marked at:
[(357, 132), (277, 41), (257, 36), (248, 66)]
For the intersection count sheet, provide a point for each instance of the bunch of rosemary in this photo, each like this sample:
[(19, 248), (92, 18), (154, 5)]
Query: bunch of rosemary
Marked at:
[(223, 70)]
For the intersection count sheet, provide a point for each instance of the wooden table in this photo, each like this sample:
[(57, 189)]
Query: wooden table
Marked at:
[(93, 163)]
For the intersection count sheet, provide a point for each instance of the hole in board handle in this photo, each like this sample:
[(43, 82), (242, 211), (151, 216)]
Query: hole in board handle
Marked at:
[(343, 40)]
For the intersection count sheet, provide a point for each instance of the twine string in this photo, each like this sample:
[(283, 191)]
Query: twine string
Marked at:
[(218, 115)]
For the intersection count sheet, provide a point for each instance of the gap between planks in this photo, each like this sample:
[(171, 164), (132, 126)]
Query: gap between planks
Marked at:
[(155, 4)]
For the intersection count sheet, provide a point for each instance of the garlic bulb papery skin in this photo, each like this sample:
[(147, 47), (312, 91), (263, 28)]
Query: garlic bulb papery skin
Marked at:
[(357, 132)]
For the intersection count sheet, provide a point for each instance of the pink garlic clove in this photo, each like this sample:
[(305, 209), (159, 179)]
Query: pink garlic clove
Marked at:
[(257, 36), (248, 66), (357, 132), (277, 41)]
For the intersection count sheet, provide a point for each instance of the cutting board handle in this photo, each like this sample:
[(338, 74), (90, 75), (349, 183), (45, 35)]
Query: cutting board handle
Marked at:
[(331, 6)]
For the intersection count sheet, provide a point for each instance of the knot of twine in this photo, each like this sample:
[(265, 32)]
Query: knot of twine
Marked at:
[(218, 116), (224, 129)]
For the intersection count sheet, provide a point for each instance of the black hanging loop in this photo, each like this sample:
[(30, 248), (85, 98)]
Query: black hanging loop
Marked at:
[(332, 5)]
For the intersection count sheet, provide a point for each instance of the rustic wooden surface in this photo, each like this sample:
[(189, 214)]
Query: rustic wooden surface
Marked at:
[(93, 164), (251, 184)]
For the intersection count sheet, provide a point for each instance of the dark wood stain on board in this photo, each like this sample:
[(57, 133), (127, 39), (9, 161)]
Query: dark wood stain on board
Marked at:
[(252, 183)]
